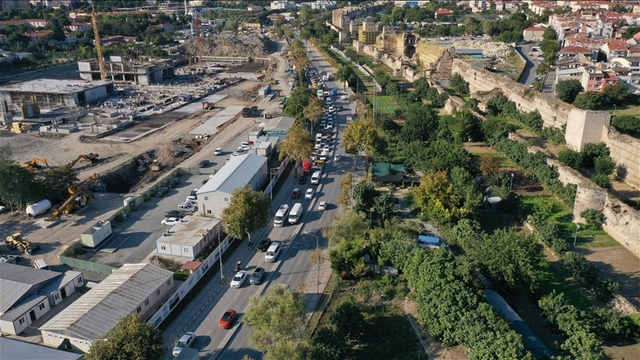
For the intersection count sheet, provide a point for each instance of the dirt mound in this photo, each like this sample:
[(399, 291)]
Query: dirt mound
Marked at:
[(229, 44)]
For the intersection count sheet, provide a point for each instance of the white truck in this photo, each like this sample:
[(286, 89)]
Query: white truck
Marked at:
[(281, 214), (295, 214)]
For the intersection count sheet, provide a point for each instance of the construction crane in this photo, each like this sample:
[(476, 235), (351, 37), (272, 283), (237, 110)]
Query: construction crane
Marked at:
[(75, 200), (90, 156), (32, 164), (196, 20), (16, 241), (96, 35)]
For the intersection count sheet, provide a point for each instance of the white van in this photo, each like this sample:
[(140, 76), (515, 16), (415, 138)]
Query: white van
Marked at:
[(315, 178), (187, 207), (295, 214), (272, 253), (281, 215)]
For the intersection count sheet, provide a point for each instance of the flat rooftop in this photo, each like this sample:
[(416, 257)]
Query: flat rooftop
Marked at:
[(54, 86), (188, 232)]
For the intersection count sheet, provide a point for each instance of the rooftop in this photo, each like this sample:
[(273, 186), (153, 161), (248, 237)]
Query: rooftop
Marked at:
[(16, 281), (189, 231), (100, 309), (22, 350), (234, 174), (53, 86)]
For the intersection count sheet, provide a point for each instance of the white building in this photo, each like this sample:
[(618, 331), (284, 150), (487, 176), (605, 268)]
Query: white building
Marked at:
[(214, 196), (282, 5), (18, 350), (134, 288), (29, 293), (189, 237)]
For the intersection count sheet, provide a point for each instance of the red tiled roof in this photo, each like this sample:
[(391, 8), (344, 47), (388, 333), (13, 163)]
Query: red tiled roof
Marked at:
[(575, 49), (443, 12)]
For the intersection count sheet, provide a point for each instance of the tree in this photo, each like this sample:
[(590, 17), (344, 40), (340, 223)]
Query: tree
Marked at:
[(459, 85), (604, 165), (360, 137), (568, 90), (617, 93), (131, 339), (296, 103), (313, 111), (56, 182), (589, 100), (346, 185), (348, 320), (297, 145), (490, 168), (571, 158), (627, 124), (437, 199), (421, 123), (364, 195), (17, 186), (329, 344), (248, 211), (277, 319)]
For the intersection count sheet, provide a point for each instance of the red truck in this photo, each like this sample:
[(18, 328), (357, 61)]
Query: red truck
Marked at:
[(306, 166)]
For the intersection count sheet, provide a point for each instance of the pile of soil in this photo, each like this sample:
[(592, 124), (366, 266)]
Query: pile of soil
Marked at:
[(230, 44)]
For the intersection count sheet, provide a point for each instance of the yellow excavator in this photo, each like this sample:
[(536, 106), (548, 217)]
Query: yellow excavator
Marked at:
[(16, 241), (76, 199), (35, 163), (90, 156)]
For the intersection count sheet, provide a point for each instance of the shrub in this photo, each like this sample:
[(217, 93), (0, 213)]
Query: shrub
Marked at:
[(533, 120), (604, 165), (605, 289), (627, 124), (592, 151), (602, 180), (571, 158), (594, 218), (580, 268), (553, 135)]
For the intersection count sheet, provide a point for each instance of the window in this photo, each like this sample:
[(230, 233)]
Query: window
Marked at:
[(206, 198), (185, 250), (79, 280), (208, 211), (146, 302), (138, 309), (21, 320), (163, 247), (226, 199), (169, 282), (157, 291), (56, 296), (41, 306)]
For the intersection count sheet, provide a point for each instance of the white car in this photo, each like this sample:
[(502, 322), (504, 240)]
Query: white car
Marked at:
[(322, 205), (344, 97), (239, 279), (185, 341), (323, 156), (308, 194), (170, 221), (326, 148), (314, 156), (336, 157), (317, 146), (217, 152)]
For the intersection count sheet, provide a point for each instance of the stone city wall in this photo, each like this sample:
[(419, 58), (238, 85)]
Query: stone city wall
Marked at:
[(625, 150)]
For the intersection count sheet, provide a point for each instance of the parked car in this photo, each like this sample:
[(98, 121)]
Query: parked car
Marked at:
[(322, 205), (170, 221), (257, 276), (174, 182), (308, 194), (203, 163), (218, 152), (264, 244), (227, 319), (239, 279), (185, 341), (336, 157), (174, 214), (162, 191), (295, 193)]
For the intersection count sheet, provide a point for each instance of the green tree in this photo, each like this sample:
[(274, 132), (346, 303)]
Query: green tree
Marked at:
[(360, 137), (56, 182), (131, 339), (313, 111), (17, 186), (296, 103), (627, 124), (604, 165), (589, 100), (571, 158), (277, 320), (421, 123), (437, 199), (297, 145), (459, 85), (348, 320), (591, 151), (247, 212), (584, 345), (329, 344), (568, 90), (364, 195), (346, 186), (617, 93)]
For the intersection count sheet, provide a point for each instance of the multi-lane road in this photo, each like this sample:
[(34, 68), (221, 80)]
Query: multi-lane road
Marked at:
[(293, 264)]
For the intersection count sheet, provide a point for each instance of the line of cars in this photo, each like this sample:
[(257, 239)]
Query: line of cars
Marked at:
[(189, 206)]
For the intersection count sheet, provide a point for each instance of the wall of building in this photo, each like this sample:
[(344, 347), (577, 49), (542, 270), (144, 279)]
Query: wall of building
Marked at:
[(24, 321), (95, 94)]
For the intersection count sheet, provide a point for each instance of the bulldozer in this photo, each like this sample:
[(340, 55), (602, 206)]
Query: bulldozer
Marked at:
[(33, 164), (16, 241), (90, 156), (155, 165), (76, 199)]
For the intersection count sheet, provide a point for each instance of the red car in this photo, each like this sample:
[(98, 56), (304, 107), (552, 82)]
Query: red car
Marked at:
[(295, 193), (227, 319)]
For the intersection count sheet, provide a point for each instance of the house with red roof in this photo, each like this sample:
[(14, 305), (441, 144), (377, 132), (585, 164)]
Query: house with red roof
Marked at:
[(573, 52), (441, 13), (594, 79), (614, 49), (533, 33)]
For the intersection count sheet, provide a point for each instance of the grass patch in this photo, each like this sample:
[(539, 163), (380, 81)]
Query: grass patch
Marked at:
[(388, 334), (549, 280), (384, 104), (626, 110), (503, 161)]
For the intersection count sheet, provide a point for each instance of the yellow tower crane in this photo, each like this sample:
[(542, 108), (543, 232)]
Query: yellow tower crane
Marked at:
[(96, 35)]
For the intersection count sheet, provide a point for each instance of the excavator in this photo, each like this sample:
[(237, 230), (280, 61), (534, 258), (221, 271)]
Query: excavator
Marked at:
[(76, 199), (35, 163), (16, 241), (90, 156)]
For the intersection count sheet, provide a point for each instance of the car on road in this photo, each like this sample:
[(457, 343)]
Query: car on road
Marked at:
[(239, 279), (170, 221), (308, 194), (174, 214), (302, 180), (203, 163), (336, 157), (344, 97), (264, 244), (295, 193), (323, 156), (227, 319), (322, 205), (162, 191), (185, 341), (257, 276), (218, 152)]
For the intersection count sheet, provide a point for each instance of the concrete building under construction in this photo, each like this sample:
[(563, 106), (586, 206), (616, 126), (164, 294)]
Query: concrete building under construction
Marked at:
[(123, 70), (30, 96)]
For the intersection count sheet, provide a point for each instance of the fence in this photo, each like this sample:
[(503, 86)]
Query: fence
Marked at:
[(83, 264)]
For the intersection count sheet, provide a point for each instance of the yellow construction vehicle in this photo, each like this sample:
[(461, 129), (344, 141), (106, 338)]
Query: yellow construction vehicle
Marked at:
[(90, 156), (75, 199), (155, 165), (35, 163), (16, 241)]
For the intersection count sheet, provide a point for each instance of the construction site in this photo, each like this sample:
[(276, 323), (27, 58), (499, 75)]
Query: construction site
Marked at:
[(122, 135)]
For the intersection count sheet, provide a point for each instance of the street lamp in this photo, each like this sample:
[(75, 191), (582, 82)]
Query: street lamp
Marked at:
[(576, 236), (511, 185), (317, 263)]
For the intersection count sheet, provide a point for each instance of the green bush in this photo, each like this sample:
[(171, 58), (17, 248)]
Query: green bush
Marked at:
[(580, 268), (605, 289), (571, 158), (553, 135), (592, 151), (604, 165), (602, 180), (627, 124), (594, 218)]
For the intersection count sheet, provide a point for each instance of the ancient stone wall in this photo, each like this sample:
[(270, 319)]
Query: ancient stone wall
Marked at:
[(622, 222), (625, 150)]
